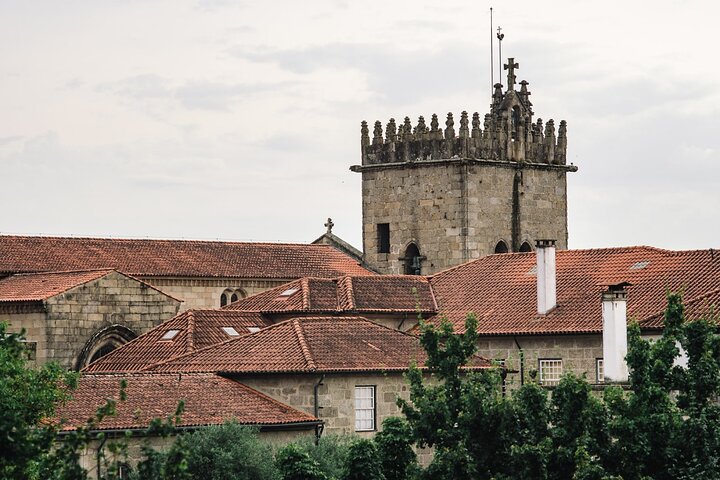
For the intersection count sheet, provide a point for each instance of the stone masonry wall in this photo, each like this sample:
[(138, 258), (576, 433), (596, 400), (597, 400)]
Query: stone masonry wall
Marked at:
[(456, 211), (336, 396), (206, 292), (578, 353), (76, 316), (34, 325)]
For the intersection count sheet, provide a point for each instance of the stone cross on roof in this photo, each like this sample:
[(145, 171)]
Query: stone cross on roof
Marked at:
[(329, 224), (510, 67)]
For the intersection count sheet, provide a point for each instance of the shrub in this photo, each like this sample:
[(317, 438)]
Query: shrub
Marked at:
[(295, 464)]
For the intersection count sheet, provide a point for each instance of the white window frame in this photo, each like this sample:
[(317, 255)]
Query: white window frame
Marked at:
[(600, 370), (365, 408), (550, 365)]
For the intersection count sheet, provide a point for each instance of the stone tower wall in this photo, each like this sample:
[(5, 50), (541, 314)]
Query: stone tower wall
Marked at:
[(456, 211)]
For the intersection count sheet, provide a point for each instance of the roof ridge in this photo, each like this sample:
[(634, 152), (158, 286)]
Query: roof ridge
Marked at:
[(348, 280), (190, 334), (305, 291), (303, 344)]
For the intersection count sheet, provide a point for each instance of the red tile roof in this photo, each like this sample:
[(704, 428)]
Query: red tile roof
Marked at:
[(501, 289), (209, 400), (307, 345), (365, 294), (38, 287), (184, 258), (703, 307), (196, 329)]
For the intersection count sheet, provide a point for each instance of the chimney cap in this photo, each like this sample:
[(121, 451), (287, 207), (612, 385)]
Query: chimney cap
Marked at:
[(616, 286), (543, 243)]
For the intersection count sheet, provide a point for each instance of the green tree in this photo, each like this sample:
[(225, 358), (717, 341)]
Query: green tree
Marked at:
[(229, 451), (394, 443), (27, 395), (294, 464), (363, 462), (330, 452)]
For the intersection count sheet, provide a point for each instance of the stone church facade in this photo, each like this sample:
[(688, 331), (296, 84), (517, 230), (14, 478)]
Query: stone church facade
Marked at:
[(433, 199)]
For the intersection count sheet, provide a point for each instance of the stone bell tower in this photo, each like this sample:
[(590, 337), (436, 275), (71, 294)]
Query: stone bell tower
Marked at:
[(436, 198)]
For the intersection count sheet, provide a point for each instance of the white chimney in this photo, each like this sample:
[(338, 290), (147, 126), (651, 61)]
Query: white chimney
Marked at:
[(546, 281), (614, 310)]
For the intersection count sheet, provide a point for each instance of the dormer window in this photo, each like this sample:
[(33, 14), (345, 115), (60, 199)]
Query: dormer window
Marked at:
[(170, 334)]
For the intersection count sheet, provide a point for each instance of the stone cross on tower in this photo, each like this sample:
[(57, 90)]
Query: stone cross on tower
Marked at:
[(510, 67), (329, 224)]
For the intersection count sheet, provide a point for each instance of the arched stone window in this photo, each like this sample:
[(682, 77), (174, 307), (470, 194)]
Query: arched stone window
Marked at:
[(525, 247), (501, 247), (231, 295), (515, 122), (104, 342), (413, 260)]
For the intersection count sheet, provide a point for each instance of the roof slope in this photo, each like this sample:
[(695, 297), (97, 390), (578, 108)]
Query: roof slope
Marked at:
[(705, 307), (38, 287), (348, 294), (309, 344), (209, 400), (196, 329), (501, 289), (186, 258)]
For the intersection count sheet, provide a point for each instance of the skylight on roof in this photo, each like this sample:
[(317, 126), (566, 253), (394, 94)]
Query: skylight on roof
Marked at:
[(170, 334), (253, 329), (288, 292), (230, 331), (640, 265)]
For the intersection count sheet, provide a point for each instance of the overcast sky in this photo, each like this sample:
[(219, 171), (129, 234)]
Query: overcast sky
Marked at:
[(239, 119)]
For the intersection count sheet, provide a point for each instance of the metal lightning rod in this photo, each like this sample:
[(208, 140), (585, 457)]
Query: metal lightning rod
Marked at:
[(500, 37), (492, 60)]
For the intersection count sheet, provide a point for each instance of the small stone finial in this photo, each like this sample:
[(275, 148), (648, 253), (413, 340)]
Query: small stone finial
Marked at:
[(450, 127), (420, 128), (523, 87), (364, 134), (378, 133), (407, 129), (391, 131), (435, 128), (550, 128), (476, 132), (464, 125), (329, 224), (498, 91), (510, 67)]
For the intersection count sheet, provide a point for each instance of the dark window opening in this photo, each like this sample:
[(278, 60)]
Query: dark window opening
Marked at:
[(412, 260), (383, 239), (102, 351), (501, 247), (223, 300), (525, 247), (234, 298), (515, 122)]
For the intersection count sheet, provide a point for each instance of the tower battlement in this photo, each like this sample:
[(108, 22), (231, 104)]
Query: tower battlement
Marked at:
[(508, 133)]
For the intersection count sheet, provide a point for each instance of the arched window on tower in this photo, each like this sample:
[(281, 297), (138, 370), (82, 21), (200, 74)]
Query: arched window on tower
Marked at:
[(525, 247), (501, 247), (413, 260)]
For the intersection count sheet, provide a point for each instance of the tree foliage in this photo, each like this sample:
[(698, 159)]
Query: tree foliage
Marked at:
[(27, 395), (666, 426)]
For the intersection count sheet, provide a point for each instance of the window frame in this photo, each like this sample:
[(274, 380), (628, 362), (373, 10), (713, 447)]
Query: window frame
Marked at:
[(549, 383), (600, 366), (373, 389)]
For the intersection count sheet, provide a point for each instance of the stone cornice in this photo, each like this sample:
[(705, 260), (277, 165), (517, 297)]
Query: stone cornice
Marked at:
[(462, 161)]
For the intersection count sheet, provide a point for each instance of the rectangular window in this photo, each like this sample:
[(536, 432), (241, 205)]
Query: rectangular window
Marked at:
[(599, 370), (383, 237), (365, 408), (550, 370)]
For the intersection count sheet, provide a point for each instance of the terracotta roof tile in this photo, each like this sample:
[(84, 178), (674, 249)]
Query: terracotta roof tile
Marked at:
[(185, 258), (501, 289), (196, 329), (209, 400), (364, 294), (705, 307), (309, 344), (37, 287)]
